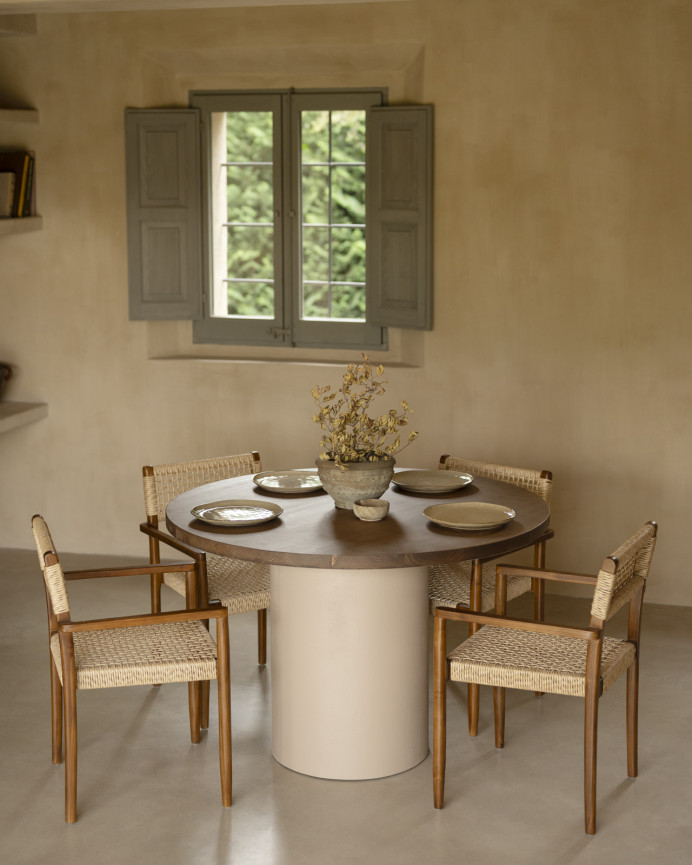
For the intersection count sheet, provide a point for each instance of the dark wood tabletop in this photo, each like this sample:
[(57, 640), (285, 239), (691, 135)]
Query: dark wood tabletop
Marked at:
[(311, 532)]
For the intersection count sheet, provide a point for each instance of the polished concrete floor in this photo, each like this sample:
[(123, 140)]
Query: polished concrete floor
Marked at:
[(146, 795)]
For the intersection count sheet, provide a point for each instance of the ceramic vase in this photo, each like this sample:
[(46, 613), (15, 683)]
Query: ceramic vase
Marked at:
[(368, 480)]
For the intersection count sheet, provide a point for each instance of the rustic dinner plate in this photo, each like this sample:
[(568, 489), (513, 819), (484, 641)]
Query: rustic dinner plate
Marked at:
[(237, 512), (289, 482), (435, 481), (474, 516)]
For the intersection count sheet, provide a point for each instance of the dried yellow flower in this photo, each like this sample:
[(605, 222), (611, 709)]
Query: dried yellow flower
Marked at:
[(350, 434)]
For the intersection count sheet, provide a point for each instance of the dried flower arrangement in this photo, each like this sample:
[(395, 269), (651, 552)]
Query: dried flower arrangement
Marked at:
[(350, 434)]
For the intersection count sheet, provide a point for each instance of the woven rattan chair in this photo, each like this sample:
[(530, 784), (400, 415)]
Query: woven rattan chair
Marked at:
[(472, 584), (534, 656), (240, 586), (132, 650)]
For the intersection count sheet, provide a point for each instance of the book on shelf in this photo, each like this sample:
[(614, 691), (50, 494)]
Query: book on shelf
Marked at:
[(28, 208), (7, 179), (20, 163)]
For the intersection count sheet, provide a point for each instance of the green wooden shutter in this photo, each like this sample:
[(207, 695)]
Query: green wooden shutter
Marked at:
[(399, 216), (163, 213)]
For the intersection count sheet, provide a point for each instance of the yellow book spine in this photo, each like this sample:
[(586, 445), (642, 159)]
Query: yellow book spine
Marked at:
[(22, 188)]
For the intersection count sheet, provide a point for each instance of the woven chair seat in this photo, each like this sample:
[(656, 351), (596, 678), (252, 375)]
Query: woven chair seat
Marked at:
[(534, 662), (147, 655), (450, 585), (240, 586)]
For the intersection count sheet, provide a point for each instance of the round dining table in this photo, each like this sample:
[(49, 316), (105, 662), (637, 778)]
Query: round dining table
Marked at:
[(349, 612)]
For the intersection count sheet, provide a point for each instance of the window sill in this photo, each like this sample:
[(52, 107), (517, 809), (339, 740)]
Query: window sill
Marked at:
[(16, 414), (172, 340)]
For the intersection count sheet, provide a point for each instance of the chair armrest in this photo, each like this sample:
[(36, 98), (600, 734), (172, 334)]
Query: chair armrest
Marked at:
[(561, 576), (457, 615), (165, 538), (130, 570), (211, 612)]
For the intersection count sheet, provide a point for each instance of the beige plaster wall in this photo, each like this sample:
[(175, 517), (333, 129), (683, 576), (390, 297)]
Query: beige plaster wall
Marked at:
[(563, 209)]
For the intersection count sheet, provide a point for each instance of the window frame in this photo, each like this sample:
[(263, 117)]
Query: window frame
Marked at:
[(286, 328)]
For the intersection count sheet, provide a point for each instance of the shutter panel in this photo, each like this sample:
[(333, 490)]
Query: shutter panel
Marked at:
[(164, 213), (399, 216)]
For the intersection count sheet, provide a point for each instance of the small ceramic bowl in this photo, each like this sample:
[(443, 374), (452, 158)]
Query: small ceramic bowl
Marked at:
[(371, 509)]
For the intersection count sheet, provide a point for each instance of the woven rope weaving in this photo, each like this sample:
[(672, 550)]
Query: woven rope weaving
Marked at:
[(450, 585), (44, 542), (613, 591), (55, 581), (534, 662), (173, 479), (240, 586), (528, 479), (148, 655)]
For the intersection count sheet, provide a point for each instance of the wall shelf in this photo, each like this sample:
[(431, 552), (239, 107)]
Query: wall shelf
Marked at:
[(18, 115), (13, 116), (16, 414), (17, 226)]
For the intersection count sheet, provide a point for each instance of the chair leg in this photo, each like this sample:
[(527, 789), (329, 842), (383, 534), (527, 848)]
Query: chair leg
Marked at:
[(204, 705), (193, 694), (262, 637), (156, 583), (439, 711), (590, 748), (56, 710), (632, 719), (538, 588), (499, 708), (473, 708), (70, 703), (474, 605), (223, 680)]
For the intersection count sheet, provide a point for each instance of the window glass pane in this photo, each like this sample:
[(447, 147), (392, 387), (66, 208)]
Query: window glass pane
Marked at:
[(250, 193), (315, 300), (348, 255), (249, 136), (348, 301), (315, 194), (314, 136), (246, 207), (253, 299), (348, 136), (333, 196), (316, 254), (250, 252), (348, 194)]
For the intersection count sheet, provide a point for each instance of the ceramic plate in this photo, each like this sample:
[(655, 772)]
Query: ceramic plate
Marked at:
[(438, 481), (237, 512), (291, 481), (475, 516)]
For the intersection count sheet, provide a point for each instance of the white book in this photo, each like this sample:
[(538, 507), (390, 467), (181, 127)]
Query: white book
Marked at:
[(7, 179)]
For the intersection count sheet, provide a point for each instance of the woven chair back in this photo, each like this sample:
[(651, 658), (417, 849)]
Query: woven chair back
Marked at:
[(165, 482), (537, 482), (617, 585), (52, 574)]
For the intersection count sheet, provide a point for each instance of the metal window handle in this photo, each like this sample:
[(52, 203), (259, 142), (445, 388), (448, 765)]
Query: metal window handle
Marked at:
[(277, 332)]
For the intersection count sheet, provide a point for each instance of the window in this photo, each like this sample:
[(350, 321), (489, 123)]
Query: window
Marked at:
[(286, 218), (281, 217)]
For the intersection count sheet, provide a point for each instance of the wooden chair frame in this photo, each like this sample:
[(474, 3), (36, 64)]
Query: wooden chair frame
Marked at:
[(537, 585), (593, 635), (157, 537), (64, 693)]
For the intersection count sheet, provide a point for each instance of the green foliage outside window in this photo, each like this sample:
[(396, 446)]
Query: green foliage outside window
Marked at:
[(332, 213)]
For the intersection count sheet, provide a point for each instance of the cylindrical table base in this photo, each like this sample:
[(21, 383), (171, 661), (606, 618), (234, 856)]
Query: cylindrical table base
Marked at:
[(349, 667)]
